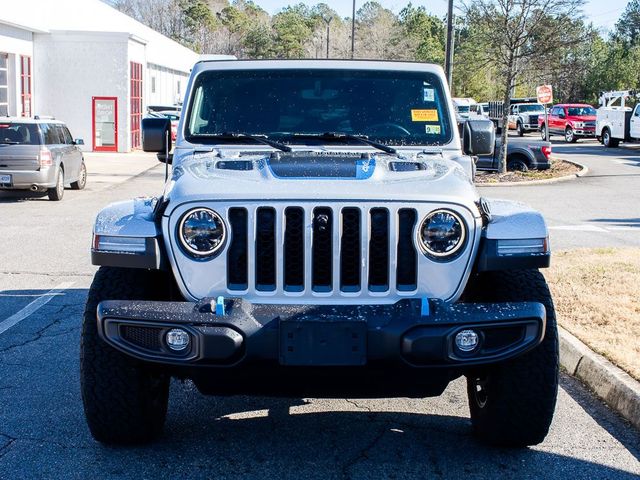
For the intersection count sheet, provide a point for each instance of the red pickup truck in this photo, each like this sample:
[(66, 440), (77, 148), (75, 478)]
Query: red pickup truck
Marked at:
[(572, 120)]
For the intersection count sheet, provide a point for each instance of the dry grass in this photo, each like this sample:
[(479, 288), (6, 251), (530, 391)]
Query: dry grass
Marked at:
[(559, 168), (597, 298)]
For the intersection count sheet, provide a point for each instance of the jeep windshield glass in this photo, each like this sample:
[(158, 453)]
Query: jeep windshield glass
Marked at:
[(392, 108)]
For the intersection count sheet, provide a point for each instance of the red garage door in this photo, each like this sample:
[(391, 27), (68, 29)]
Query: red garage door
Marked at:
[(136, 104)]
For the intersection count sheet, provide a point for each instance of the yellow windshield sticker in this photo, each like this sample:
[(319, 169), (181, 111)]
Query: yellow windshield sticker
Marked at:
[(424, 115)]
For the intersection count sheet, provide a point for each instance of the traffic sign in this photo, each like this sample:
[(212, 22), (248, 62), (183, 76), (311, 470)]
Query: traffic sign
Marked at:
[(545, 94)]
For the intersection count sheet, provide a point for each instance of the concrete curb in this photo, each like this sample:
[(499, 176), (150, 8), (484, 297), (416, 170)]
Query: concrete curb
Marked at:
[(610, 383), (583, 171)]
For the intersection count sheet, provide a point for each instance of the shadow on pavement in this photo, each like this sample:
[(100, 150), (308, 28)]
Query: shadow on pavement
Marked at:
[(619, 222)]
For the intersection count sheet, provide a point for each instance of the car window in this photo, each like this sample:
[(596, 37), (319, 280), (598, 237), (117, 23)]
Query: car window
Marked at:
[(401, 108), (19, 134), (50, 134), (581, 111), (64, 135)]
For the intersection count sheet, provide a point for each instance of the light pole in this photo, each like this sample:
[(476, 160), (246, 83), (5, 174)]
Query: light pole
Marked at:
[(353, 29), (327, 20), (448, 59)]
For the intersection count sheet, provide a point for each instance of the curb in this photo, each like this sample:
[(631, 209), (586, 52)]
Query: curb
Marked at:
[(583, 171), (615, 387)]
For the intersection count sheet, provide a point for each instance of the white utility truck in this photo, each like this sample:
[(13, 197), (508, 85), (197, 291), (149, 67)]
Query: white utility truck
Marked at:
[(615, 121)]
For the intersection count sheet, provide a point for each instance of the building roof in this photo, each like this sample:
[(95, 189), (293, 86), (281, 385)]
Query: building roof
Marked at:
[(49, 16)]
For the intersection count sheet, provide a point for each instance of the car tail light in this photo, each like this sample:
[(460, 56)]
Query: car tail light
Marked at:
[(45, 158), (546, 151)]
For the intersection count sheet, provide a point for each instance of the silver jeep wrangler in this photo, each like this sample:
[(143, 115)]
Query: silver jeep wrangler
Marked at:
[(319, 235)]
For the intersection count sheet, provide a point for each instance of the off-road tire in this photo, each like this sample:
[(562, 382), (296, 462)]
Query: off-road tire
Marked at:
[(56, 193), (519, 395), (82, 178), (607, 140), (125, 401)]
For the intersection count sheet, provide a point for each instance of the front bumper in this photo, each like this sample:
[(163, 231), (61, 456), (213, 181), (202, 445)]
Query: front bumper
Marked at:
[(585, 132), (411, 333), (23, 179)]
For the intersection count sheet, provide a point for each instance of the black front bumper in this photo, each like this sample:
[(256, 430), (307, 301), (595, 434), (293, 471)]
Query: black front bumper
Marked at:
[(411, 333)]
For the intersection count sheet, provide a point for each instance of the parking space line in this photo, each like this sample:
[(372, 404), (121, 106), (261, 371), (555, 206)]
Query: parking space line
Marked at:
[(38, 303)]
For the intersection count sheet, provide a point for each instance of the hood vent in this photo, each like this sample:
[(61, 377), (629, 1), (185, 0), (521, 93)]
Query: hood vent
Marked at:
[(243, 165), (406, 166), (322, 166)]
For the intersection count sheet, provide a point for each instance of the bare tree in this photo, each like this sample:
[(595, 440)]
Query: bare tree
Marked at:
[(514, 32)]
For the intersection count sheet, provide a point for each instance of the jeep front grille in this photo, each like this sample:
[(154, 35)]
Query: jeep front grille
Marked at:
[(326, 249)]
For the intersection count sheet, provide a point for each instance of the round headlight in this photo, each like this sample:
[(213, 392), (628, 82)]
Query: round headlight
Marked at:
[(442, 234), (202, 232)]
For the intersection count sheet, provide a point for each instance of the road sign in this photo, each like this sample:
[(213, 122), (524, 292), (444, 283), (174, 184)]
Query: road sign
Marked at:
[(545, 94)]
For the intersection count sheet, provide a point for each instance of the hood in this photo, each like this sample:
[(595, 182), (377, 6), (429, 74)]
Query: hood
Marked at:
[(320, 176)]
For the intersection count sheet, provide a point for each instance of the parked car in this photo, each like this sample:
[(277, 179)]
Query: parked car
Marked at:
[(40, 155), (320, 235), (571, 120), (523, 114), (616, 120), (521, 156)]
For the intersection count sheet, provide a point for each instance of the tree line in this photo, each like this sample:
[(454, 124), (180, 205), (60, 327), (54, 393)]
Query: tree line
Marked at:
[(500, 45)]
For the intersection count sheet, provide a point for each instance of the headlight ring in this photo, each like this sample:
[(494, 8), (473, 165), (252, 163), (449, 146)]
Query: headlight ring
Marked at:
[(442, 234), (202, 232)]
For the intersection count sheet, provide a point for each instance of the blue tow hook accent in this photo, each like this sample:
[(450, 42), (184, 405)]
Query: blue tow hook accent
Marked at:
[(424, 309), (218, 306)]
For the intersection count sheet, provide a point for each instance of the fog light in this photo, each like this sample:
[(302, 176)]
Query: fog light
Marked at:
[(467, 340), (177, 339)]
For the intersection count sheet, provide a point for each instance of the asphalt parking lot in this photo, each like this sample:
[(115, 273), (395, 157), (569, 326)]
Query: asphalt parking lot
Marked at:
[(45, 272)]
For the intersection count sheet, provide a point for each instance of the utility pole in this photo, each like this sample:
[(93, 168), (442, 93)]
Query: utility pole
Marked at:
[(448, 59), (327, 20), (353, 29)]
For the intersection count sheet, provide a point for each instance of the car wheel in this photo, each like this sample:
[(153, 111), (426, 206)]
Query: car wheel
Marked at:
[(543, 133), (56, 193), (520, 130), (125, 400), (569, 136), (517, 164), (82, 178), (512, 403), (607, 140)]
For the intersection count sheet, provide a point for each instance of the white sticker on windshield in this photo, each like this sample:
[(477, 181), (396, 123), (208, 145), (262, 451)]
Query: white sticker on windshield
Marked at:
[(428, 95), (432, 129)]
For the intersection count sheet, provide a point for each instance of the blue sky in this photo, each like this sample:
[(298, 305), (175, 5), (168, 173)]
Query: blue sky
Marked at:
[(603, 14)]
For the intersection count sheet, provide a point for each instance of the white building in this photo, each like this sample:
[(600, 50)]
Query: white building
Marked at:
[(89, 65)]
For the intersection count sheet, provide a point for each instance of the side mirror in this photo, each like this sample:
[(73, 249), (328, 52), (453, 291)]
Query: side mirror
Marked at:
[(163, 158), (478, 137), (78, 141), (156, 135)]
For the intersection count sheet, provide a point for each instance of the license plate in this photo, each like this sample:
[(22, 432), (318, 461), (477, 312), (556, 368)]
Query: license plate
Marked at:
[(5, 179), (323, 342)]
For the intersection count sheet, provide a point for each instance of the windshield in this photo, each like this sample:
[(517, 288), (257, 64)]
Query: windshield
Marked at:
[(463, 108), (581, 111), (19, 134), (398, 108), (531, 108)]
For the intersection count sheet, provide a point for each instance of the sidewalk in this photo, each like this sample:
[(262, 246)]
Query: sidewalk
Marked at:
[(105, 169)]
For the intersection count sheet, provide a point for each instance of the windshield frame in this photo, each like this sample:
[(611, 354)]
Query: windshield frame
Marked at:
[(446, 106)]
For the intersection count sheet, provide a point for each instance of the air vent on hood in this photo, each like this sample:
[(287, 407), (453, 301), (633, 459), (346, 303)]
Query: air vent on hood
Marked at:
[(406, 166), (235, 165)]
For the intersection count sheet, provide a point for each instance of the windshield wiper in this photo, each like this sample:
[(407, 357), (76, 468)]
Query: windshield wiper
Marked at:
[(229, 136), (9, 142), (346, 136)]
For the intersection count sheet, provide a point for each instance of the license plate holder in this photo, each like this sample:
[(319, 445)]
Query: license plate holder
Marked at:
[(6, 180), (323, 342)]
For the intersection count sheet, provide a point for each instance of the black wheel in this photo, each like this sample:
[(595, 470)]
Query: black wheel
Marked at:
[(512, 403), (82, 178), (125, 401), (569, 136), (607, 140), (543, 133), (56, 193), (520, 129), (517, 164)]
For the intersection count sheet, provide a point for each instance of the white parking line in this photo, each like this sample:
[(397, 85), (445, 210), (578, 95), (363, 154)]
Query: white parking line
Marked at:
[(594, 228), (38, 303)]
